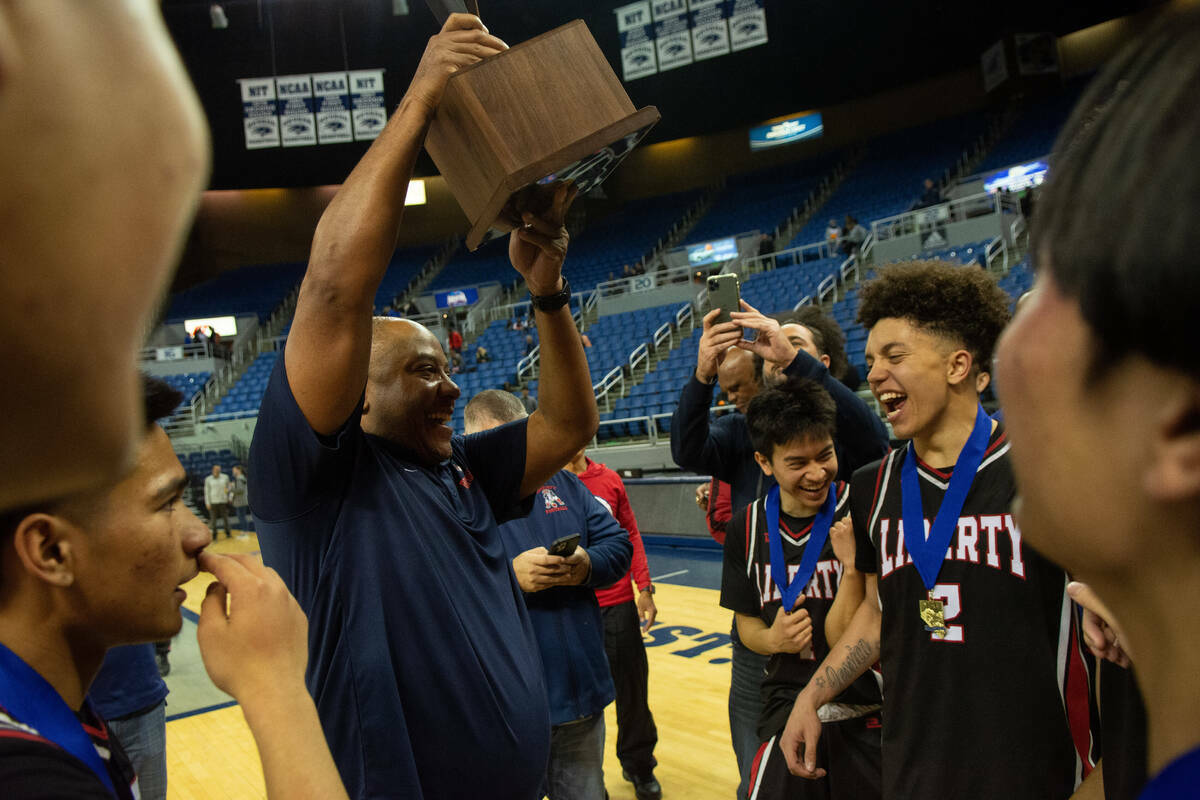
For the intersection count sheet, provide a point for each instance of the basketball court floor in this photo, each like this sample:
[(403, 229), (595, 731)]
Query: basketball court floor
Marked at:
[(211, 754)]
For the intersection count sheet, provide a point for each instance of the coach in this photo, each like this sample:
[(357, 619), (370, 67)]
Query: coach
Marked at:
[(384, 524)]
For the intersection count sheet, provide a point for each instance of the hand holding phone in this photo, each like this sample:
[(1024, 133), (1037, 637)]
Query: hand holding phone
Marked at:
[(564, 545)]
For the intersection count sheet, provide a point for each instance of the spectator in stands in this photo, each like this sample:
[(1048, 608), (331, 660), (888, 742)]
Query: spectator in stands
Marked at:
[(833, 232), (627, 271), (766, 246), (855, 235), (383, 520), (455, 341), (625, 620), (529, 343), (931, 196), (723, 449), (559, 592), (481, 355), (528, 403), (216, 500), (101, 568), (1099, 376), (82, 255), (130, 695), (238, 497)]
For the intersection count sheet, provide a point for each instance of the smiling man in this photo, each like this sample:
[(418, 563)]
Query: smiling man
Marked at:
[(382, 522), (1100, 377), (973, 629)]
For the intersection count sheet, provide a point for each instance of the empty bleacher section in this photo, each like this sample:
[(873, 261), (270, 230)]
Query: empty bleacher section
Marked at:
[(1034, 130), (488, 264), (761, 200), (505, 348), (250, 290), (782, 288), (243, 399), (889, 178), (614, 337), (656, 396), (402, 272)]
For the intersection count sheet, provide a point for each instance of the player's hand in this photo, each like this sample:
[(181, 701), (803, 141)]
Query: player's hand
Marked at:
[(770, 343), (702, 492), (791, 632), (538, 246), (462, 41), (1101, 631), (258, 642), (800, 737), (536, 570), (716, 339), (647, 611), (841, 535), (579, 565)]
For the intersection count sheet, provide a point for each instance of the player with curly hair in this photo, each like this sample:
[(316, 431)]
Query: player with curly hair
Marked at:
[(983, 675)]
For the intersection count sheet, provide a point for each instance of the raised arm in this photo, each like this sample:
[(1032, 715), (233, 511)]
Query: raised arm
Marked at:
[(566, 416), (851, 587), (330, 342), (855, 652), (696, 444)]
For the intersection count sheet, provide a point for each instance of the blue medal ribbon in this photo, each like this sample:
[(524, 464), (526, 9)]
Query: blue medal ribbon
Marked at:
[(928, 553), (34, 702), (817, 536)]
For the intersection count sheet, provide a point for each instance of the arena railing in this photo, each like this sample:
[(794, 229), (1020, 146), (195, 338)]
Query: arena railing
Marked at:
[(653, 279), (924, 220), (654, 428)]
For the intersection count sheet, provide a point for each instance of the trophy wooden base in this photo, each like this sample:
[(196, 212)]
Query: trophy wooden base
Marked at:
[(550, 109)]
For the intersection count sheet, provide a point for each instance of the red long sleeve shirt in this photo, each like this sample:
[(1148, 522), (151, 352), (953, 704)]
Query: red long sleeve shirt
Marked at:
[(609, 489)]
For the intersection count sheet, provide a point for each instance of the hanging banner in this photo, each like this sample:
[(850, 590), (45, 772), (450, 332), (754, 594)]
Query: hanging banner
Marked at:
[(367, 103), (636, 29), (672, 37), (710, 28), (331, 90), (747, 25), (259, 115), (297, 127)]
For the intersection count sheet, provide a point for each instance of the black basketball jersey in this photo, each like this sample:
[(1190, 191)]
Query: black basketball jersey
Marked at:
[(747, 588), (987, 711)]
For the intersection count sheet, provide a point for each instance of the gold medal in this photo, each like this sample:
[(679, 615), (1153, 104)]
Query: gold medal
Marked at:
[(933, 616)]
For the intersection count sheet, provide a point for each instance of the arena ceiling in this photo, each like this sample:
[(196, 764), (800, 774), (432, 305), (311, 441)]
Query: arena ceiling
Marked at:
[(819, 52)]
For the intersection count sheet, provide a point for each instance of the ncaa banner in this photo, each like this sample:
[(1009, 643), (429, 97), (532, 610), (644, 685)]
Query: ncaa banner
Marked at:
[(747, 25), (710, 28), (297, 127), (369, 109), (259, 115), (672, 36), (331, 91), (636, 29)]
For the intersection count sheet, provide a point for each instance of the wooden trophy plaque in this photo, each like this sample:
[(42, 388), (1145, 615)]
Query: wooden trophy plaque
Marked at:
[(547, 110)]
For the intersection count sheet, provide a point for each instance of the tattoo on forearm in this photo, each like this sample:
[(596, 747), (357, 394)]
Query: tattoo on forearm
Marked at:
[(858, 658)]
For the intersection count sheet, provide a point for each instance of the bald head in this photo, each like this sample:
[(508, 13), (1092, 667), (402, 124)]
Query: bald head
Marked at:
[(738, 376)]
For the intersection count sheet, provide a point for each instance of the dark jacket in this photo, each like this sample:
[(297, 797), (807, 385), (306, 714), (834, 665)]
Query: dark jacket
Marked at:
[(566, 619), (721, 448)]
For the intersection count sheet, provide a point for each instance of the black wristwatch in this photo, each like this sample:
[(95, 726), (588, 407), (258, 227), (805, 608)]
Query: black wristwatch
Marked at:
[(649, 588), (552, 302)]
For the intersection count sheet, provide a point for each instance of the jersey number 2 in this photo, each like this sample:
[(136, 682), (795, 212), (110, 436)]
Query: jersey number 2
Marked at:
[(948, 593)]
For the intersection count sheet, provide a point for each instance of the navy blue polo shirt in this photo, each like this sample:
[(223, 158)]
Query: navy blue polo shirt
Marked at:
[(422, 661)]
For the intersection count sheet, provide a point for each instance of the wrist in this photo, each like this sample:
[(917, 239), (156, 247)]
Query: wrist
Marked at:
[(419, 107), (704, 376)]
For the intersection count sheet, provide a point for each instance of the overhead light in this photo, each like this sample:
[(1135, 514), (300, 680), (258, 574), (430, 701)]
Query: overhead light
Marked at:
[(217, 15)]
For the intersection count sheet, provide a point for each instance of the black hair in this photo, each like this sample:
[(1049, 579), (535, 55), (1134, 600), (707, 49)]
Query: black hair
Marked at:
[(159, 400), (960, 303), (827, 337), (1114, 225), (799, 408)]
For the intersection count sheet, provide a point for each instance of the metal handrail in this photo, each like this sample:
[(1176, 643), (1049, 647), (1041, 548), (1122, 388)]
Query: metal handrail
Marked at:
[(826, 288), (749, 266), (931, 217), (662, 334)]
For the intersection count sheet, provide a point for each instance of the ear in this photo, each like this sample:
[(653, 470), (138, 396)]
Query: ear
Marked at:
[(43, 543), (1174, 474), (824, 360), (764, 464), (958, 368)]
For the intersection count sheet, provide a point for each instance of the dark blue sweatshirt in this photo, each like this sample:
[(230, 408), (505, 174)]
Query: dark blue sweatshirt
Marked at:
[(722, 447), (566, 619)]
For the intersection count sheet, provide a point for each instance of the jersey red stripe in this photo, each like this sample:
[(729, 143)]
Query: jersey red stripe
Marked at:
[(1077, 695)]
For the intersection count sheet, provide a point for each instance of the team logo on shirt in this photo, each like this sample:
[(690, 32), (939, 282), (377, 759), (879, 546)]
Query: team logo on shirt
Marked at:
[(552, 500), (465, 478)]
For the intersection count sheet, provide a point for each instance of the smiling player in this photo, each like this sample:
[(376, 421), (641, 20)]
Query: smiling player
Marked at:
[(790, 578), (982, 671)]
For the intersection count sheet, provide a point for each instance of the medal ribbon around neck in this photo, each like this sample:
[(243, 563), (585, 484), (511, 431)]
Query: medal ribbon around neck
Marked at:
[(34, 702), (928, 553), (817, 536)]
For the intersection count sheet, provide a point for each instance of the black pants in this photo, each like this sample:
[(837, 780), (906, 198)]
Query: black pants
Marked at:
[(219, 510), (848, 750), (636, 732)]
